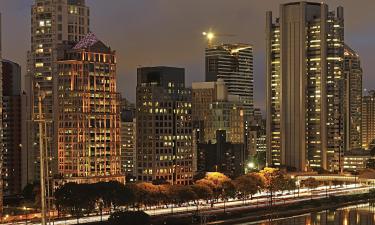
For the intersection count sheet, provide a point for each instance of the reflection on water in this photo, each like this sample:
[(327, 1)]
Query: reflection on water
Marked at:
[(363, 214)]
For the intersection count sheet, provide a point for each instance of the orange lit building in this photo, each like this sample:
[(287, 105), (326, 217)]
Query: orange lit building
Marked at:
[(88, 117)]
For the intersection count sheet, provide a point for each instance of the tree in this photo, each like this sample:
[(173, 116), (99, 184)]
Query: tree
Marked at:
[(202, 192), (77, 199), (246, 186), (310, 183), (215, 181), (273, 180), (180, 194), (147, 194), (228, 191), (290, 184), (128, 195)]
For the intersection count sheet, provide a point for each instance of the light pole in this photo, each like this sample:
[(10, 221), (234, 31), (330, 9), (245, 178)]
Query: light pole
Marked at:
[(250, 167), (26, 214)]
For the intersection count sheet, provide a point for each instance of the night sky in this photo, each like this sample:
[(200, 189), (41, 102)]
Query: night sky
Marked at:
[(168, 32)]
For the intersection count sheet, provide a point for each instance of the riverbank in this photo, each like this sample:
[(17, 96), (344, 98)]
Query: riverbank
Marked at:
[(271, 212)]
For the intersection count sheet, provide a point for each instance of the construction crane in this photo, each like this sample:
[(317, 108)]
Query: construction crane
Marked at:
[(210, 36)]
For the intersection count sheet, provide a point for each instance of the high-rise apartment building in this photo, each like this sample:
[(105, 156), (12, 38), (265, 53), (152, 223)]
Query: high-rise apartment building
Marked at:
[(234, 64), (11, 128), (256, 145), (305, 85), (213, 109), (353, 99), (368, 120), (218, 119), (52, 23), (88, 112), (164, 126), (128, 140)]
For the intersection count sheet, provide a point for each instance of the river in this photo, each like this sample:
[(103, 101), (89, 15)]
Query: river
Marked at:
[(363, 214)]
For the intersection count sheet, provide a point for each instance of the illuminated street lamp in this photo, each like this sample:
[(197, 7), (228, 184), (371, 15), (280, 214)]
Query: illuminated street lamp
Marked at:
[(26, 214), (251, 165)]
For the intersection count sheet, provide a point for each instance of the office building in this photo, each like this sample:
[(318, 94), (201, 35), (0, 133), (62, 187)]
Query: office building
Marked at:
[(88, 112), (356, 160), (305, 85), (368, 120), (164, 126), (11, 128), (256, 139), (234, 64), (128, 140), (221, 156), (52, 23), (353, 99), (215, 109)]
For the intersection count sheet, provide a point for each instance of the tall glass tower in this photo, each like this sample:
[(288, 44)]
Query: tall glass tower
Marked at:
[(233, 63), (305, 87), (52, 23)]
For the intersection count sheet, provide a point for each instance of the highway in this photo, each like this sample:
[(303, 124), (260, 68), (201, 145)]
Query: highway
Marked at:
[(259, 200)]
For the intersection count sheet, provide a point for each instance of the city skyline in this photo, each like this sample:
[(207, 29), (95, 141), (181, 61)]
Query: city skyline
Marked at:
[(141, 43), (131, 111)]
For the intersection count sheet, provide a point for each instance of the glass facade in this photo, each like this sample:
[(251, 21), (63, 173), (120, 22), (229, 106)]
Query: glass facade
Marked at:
[(305, 87), (164, 126)]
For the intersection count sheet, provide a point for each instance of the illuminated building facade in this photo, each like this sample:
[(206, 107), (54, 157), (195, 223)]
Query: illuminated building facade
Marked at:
[(128, 140), (88, 118), (356, 160), (164, 126), (256, 146), (215, 109), (368, 120), (221, 156), (305, 84), (353, 99), (11, 128), (234, 64), (52, 23)]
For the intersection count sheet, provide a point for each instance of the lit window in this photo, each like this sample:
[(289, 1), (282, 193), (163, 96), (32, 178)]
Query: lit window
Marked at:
[(39, 65)]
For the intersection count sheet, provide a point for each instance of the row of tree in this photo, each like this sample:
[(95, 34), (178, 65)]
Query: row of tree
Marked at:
[(81, 199)]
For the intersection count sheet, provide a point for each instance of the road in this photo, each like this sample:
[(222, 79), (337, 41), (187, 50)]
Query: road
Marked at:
[(259, 200)]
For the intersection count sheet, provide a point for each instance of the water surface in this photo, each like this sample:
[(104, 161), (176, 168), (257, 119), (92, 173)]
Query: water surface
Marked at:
[(363, 214)]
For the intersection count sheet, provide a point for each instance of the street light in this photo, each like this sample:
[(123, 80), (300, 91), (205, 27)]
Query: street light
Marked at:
[(251, 165), (26, 214)]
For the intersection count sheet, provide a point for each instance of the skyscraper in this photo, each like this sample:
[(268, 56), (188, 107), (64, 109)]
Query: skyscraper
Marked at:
[(128, 140), (305, 84), (215, 109), (11, 127), (368, 120), (52, 23), (234, 64), (353, 99), (164, 126), (218, 119), (88, 116)]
